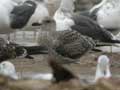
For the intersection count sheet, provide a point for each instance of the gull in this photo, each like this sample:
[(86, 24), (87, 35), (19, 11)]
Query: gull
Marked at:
[(21, 15), (103, 76), (13, 16), (103, 67), (108, 14), (68, 46), (93, 11), (8, 69), (66, 20)]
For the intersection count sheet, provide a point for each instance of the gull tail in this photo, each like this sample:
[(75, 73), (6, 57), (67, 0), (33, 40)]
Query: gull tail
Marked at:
[(32, 50)]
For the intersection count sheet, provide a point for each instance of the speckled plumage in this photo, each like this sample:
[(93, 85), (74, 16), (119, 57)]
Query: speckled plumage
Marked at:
[(6, 51), (72, 45)]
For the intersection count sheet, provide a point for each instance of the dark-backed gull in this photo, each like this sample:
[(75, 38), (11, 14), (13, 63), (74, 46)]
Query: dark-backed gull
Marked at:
[(65, 19)]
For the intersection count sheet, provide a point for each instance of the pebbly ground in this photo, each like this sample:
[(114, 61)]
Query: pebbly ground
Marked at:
[(85, 68)]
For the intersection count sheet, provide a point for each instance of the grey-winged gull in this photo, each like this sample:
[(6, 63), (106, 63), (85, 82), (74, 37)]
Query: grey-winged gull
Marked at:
[(18, 16), (13, 13)]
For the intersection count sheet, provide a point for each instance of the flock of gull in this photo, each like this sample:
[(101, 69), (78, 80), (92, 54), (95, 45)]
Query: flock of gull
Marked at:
[(75, 35)]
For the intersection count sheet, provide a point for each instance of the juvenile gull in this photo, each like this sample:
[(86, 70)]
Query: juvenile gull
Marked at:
[(68, 46)]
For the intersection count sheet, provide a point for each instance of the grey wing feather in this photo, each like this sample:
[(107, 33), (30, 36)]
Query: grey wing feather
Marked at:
[(87, 26), (21, 14)]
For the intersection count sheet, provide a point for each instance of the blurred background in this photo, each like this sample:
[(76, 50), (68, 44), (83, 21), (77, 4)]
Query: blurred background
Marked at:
[(30, 37)]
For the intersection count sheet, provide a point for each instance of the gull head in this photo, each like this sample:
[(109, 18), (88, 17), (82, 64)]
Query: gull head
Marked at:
[(103, 60), (103, 67), (8, 69)]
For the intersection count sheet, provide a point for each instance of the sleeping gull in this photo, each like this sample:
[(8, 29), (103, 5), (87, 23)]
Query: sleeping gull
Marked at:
[(18, 16), (108, 14), (92, 12), (11, 15)]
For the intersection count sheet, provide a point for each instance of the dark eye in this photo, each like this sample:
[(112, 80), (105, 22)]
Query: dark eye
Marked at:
[(4, 65)]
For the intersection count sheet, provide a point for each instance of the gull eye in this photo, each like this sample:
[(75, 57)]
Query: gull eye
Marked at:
[(3, 65)]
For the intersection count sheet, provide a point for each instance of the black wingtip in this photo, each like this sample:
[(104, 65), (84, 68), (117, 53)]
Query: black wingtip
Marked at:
[(115, 41), (34, 50), (59, 72), (29, 57)]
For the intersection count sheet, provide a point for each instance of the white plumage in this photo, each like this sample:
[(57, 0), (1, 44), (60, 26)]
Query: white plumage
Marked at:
[(103, 68), (6, 7), (8, 69), (39, 15), (63, 15), (42, 76), (109, 14), (98, 6)]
